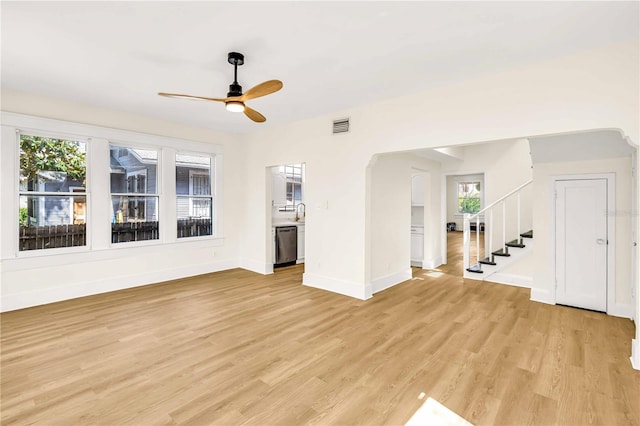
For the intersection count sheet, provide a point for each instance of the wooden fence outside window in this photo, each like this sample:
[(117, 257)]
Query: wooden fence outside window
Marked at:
[(57, 236)]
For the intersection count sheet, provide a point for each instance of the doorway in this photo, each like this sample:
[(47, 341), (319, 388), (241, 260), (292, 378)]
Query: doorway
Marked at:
[(458, 200), (583, 241)]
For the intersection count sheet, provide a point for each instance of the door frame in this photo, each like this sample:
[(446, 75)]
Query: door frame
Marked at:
[(611, 234), (443, 206)]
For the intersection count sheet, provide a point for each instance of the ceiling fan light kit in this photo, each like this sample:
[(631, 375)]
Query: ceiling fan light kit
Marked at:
[(235, 99), (234, 106)]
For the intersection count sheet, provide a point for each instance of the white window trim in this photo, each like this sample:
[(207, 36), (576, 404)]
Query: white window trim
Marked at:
[(13, 175), (98, 212)]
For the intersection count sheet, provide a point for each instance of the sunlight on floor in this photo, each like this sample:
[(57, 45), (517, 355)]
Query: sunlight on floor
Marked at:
[(432, 413)]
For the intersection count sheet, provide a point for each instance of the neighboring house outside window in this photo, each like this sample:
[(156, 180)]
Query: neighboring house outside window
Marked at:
[(194, 200), (52, 195), (134, 194), (468, 197)]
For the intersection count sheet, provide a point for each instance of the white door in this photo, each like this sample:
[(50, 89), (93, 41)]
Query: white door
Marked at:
[(581, 243)]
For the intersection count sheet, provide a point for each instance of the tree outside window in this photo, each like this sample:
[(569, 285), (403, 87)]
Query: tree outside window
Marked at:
[(469, 197), (52, 193)]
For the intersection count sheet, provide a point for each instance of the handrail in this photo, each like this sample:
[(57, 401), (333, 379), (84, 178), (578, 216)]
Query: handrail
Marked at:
[(468, 217), (504, 197)]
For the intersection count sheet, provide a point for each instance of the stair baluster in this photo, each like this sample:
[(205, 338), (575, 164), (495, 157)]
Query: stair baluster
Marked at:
[(467, 231), (504, 226)]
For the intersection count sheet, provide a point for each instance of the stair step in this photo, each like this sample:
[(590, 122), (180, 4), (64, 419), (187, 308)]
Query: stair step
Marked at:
[(515, 243), (528, 234), (477, 268), (488, 261), (501, 252)]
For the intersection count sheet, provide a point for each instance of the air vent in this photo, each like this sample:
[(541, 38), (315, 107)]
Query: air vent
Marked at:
[(341, 125)]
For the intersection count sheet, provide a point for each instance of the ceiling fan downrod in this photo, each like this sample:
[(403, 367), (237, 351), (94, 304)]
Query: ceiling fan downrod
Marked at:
[(235, 59)]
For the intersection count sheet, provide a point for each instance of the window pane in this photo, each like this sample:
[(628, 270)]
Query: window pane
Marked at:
[(51, 221), (193, 174), (51, 165), (194, 216), (133, 170), (469, 197), (293, 174), (135, 218), (194, 202)]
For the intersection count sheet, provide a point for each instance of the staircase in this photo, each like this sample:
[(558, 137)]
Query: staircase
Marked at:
[(513, 248)]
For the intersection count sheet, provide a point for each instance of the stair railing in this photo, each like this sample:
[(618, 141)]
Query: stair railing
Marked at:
[(466, 237)]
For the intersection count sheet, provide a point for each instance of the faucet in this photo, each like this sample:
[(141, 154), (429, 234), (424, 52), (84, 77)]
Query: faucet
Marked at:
[(304, 211)]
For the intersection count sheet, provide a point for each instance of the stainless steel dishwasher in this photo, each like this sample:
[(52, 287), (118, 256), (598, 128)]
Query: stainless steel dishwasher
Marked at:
[(286, 245)]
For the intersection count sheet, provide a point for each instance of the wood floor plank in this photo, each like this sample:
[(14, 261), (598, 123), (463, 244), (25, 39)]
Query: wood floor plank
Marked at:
[(236, 347)]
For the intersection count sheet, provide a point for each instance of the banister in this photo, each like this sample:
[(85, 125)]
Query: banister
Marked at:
[(469, 217), (504, 197)]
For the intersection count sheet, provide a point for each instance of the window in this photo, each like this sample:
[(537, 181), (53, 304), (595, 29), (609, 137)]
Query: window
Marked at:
[(294, 174), (469, 197), (134, 194), (52, 196), (194, 202)]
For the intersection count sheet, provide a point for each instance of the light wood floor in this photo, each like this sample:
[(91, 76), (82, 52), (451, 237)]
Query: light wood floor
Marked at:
[(240, 348)]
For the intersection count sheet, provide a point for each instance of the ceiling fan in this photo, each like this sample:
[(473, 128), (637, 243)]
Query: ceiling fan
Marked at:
[(235, 98)]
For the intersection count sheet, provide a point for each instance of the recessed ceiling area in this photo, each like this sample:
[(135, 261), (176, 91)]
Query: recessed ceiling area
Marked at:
[(331, 56)]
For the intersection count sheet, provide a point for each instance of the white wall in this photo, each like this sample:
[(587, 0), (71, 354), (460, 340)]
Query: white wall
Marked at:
[(591, 90), (390, 216), (594, 89), (544, 273), (35, 278)]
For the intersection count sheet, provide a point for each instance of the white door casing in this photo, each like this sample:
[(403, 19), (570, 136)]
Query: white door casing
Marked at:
[(581, 243)]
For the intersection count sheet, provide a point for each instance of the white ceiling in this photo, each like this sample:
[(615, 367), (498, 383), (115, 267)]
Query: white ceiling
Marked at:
[(330, 55)]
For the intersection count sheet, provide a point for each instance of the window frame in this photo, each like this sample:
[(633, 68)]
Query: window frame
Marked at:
[(290, 180), (479, 197), (157, 194), (18, 193), (213, 189), (98, 217)]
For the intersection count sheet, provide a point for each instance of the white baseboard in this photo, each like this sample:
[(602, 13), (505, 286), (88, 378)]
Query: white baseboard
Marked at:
[(256, 266), (542, 296), (346, 288), (432, 263), (635, 354), (510, 279), (385, 282), (623, 310), (12, 302)]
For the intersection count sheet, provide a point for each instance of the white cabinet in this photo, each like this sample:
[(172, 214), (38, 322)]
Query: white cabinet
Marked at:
[(278, 188), (417, 245), (300, 244), (417, 190)]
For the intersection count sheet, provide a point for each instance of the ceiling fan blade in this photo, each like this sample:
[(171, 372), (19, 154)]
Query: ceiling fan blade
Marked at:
[(178, 95), (254, 115), (262, 89)]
